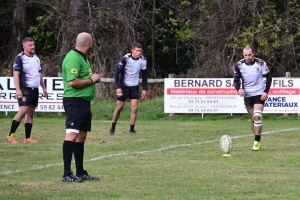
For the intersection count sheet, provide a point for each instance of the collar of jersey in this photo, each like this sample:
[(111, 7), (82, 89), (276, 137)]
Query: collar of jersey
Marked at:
[(250, 63), (134, 58), (80, 53), (27, 55)]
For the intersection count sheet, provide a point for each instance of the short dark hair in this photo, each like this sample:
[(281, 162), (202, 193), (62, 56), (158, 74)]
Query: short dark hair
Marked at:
[(27, 39), (136, 45)]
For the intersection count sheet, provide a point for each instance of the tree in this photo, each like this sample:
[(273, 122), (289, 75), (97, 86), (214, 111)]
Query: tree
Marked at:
[(191, 38)]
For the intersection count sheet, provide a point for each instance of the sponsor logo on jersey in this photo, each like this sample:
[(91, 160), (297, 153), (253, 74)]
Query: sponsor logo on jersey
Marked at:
[(74, 71), (15, 66)]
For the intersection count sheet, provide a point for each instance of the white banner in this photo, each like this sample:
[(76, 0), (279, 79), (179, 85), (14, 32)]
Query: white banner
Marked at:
[(217, 95), (53, 103)]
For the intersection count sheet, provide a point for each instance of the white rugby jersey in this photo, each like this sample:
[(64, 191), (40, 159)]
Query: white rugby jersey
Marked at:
[(29, 68), (129, 68), (252, 76)]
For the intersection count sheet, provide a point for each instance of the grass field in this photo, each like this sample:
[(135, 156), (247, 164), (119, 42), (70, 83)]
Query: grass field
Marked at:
[(170, 159)]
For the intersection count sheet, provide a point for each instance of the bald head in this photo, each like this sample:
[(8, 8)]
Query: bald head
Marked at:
[(84, 42), (83, 38)]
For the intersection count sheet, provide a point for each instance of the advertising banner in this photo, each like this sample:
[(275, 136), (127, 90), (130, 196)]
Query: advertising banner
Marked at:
[(217, 95), (53, 103)]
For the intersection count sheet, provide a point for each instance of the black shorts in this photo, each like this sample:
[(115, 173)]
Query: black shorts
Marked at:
[(78, 114), (30, 96), (131, 92), (250, 101)]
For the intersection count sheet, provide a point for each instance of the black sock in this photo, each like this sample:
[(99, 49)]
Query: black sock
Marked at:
[(257, 138), (131, 127), (68, 148), (78, 155), (113, 126), (14, 126), (28, 128)]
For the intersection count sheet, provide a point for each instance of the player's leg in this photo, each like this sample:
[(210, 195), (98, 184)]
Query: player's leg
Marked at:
[(119, 107), (116, 115), (28, 124), (257, 118), (249, 103), (133, 114), (117, 112), (250, 113), (134, 101), (23, 107), (32, 101)]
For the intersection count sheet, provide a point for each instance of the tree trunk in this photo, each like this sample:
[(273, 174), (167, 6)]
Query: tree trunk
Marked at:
[(72, 24), (18, 27), (153, 38)]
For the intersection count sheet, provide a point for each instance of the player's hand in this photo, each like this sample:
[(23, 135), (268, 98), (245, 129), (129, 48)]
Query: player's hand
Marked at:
[(45, 92), (144, 92), (119, 92), (264, 96), (241, 92), (19, 94)]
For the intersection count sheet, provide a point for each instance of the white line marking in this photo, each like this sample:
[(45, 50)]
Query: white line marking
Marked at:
[(141, 152)]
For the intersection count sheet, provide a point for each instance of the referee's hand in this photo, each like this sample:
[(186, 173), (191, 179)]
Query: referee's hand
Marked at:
[(96, 78)]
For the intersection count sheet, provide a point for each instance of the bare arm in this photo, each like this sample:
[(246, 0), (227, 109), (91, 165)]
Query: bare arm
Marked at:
[(17, 84), (43, 85), (80, 83)]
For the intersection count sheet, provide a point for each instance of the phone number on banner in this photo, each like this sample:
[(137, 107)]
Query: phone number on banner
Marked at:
[(50, 108)]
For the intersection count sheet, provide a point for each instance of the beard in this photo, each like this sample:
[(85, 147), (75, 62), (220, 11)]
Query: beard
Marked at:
[(88, 50)]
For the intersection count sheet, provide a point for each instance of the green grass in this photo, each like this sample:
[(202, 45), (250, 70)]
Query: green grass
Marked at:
[(172, 158)]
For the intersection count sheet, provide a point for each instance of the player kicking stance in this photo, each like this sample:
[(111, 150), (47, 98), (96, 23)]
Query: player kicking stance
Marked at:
[(251, 71)]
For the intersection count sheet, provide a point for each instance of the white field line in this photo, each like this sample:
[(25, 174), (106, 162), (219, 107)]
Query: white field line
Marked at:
[(141, 152)]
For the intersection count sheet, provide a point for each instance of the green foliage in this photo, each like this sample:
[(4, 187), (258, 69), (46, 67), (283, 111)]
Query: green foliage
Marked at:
[(273, 32), (43, 33)]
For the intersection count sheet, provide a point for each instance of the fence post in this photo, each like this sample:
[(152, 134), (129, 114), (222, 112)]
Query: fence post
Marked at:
[(171, 76), (287, 75)]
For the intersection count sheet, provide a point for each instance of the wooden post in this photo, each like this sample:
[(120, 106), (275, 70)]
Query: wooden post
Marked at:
[(171, 76)]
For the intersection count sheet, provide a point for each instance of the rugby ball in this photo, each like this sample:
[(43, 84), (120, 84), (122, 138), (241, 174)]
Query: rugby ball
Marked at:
[(225, 144)]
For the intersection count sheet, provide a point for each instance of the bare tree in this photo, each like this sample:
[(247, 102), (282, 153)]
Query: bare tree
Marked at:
[(19, 26)]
